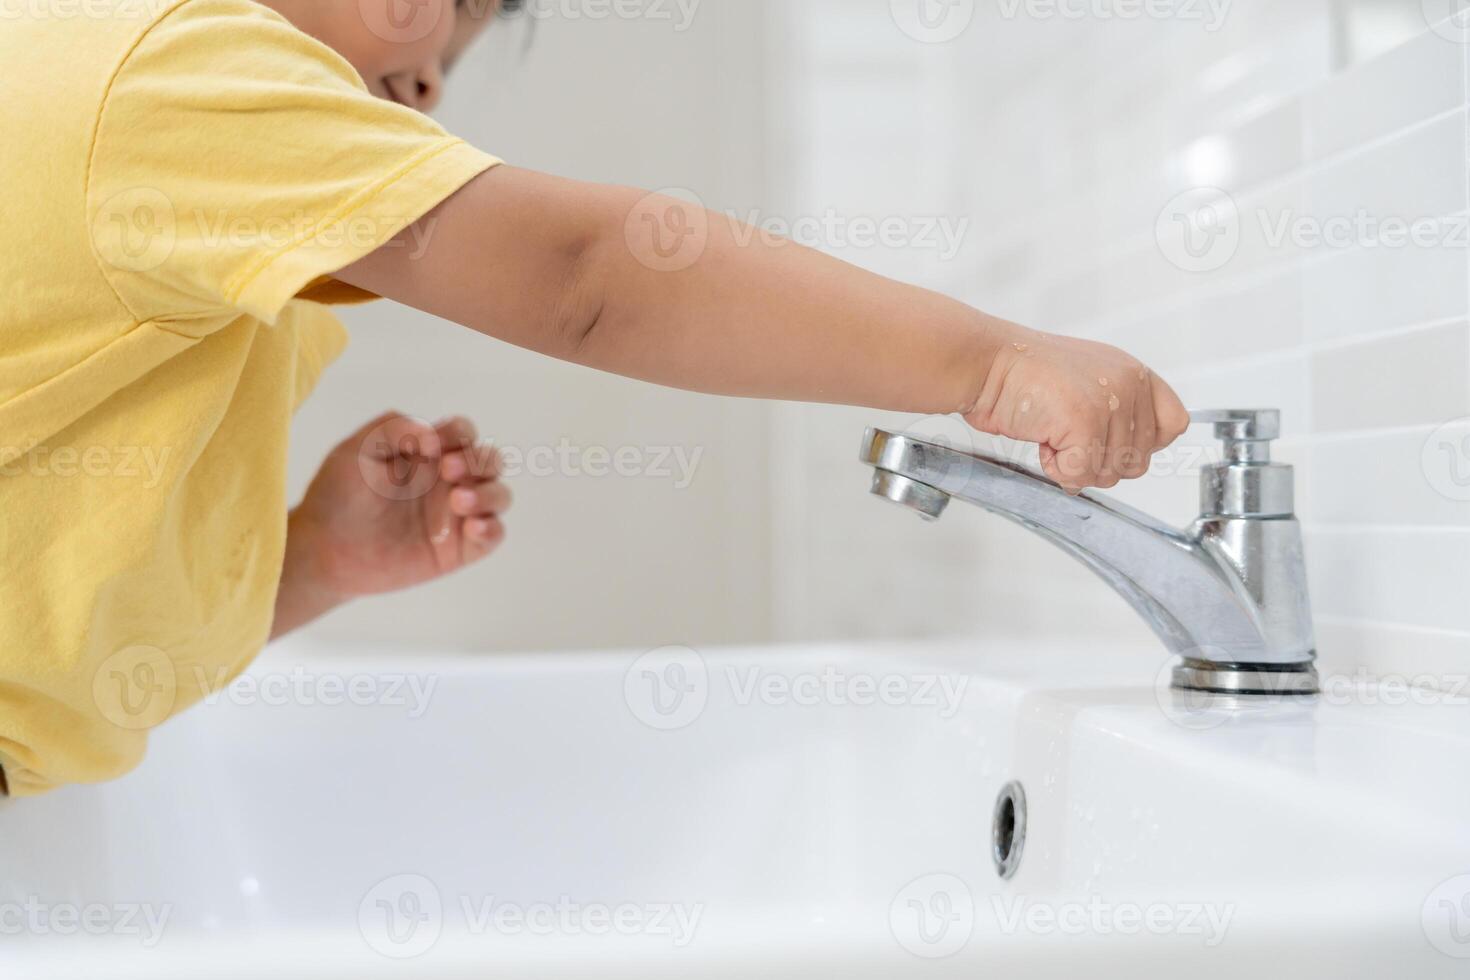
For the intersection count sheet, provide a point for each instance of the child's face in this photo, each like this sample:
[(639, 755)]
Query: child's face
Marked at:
[(402, 48)]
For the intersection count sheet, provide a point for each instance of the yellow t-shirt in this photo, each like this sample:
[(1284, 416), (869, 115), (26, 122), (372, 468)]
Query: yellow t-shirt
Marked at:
[(180, 181)]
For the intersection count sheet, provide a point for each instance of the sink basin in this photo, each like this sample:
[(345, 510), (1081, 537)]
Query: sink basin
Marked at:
[(776, 812)]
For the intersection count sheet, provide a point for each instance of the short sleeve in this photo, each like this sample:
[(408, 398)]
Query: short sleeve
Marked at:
[(237, 161)]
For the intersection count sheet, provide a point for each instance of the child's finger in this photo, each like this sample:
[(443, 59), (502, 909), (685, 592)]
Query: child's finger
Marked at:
[(441, 523), (1048, 457), (482, 499), (456, 432), (1172, 417), (482, 535), (394, 435), (1118, 458), (481, 461), (1145, 427)]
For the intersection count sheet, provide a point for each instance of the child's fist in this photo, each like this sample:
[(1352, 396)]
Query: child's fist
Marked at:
[(401, 502), (1098, 414)]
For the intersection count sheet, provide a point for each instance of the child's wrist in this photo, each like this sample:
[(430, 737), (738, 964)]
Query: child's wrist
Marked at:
[(303, 573), (994, 338)]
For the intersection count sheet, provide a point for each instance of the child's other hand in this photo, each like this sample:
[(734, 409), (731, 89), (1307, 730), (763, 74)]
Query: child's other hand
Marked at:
[(1098, 414), (399, 503)]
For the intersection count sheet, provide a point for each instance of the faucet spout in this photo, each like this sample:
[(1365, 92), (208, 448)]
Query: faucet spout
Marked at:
[(1186, 584)]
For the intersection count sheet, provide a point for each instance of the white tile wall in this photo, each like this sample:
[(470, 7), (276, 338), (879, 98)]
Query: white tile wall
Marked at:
[(1060, 140)]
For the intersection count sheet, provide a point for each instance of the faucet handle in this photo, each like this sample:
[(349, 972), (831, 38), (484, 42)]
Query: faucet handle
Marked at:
[(1247, 483), (1242, 424), (1246, 432)]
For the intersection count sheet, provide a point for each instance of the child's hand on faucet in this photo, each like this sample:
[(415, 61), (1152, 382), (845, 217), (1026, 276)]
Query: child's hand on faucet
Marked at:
[(1098, 414), (398, 503)]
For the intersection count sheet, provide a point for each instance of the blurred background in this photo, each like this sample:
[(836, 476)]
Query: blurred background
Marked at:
[(1265, 200)]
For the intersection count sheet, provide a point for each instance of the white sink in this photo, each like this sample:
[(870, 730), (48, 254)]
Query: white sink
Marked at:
[(543, 816)]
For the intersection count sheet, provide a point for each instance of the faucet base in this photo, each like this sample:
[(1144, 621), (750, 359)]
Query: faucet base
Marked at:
[(1216, 678)]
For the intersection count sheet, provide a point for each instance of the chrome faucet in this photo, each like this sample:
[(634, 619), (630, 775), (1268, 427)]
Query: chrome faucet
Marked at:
[(1228, 594)]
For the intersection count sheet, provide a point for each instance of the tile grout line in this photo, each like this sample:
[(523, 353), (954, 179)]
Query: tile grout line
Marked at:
[(1369, 528)]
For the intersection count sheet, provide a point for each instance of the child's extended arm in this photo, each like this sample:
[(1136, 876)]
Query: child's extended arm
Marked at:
[(570, 269)]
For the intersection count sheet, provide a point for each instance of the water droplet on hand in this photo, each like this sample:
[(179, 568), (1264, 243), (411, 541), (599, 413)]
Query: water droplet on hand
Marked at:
[(1104, 382), (1023, 348), (1025, 405), (1113, 403)]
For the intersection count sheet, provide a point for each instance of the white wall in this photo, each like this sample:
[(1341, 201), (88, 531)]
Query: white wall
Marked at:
[(1063, 142), (615, 561)]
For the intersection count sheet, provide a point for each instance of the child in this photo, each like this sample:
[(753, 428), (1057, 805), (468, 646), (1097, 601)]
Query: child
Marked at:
[(192, 183)]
